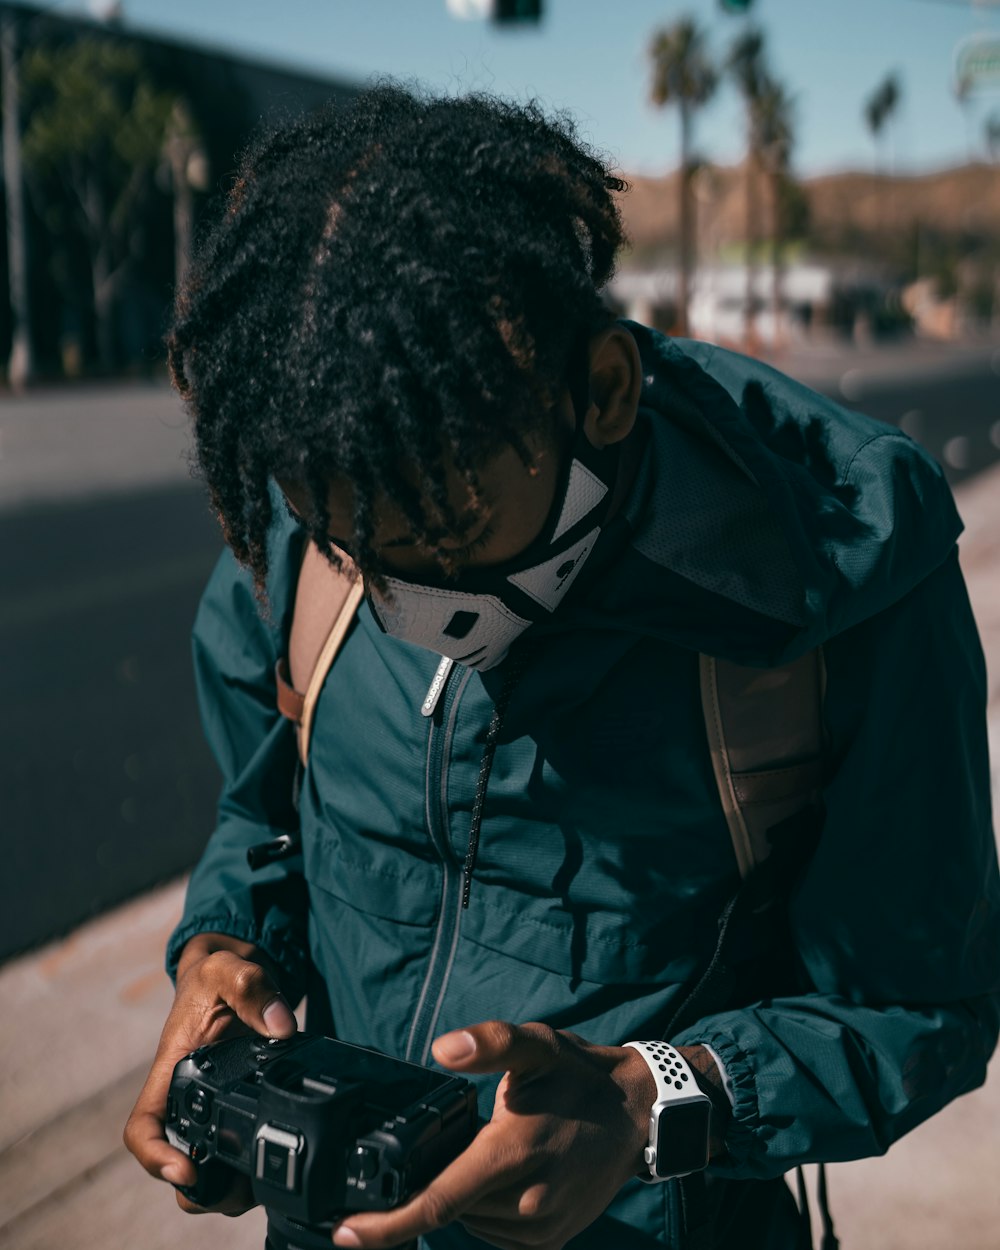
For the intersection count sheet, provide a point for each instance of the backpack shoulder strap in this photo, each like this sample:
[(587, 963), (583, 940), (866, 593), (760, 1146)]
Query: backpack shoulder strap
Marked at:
[(765, 734), (766, 737), (326, 600)]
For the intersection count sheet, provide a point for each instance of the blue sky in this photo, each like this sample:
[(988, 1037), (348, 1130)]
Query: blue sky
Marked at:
[(589, 56)]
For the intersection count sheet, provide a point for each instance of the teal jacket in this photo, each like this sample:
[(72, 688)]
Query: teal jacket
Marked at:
[(765, 520)]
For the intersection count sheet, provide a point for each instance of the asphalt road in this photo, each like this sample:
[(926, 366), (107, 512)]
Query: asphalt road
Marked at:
[(955, 415), (105, 786)]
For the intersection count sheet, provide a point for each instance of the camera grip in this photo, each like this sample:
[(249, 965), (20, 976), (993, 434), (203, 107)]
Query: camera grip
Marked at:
[(212, 1184)]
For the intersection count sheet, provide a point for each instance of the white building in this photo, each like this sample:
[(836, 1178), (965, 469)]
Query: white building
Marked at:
[(811, 294)]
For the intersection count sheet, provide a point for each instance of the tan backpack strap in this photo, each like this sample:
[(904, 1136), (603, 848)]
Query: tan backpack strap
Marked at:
[(290, 702), (765, 734), (335, 638), (326, 601)]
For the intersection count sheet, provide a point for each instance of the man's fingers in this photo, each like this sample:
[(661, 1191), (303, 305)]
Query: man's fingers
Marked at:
[(496, 1046), (236, 1199), (466, 1180), (247, 990), (212, 996), (144, 1138), (144, 1135)]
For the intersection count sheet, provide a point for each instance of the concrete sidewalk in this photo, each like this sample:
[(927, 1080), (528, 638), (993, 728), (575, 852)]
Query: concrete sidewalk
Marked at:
[(91, 439), (81, 1017)]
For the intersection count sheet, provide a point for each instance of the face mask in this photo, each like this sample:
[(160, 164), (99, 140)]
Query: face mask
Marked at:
[(473, 619)]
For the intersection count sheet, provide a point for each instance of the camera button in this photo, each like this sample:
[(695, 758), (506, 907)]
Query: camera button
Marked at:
[(364, 1163), (199, 1104)]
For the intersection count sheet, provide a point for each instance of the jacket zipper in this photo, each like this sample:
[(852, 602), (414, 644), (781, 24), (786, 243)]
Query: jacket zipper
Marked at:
[(440, 733)]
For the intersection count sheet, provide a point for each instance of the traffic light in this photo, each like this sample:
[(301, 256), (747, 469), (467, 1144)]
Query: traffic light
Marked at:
[(517, 11)]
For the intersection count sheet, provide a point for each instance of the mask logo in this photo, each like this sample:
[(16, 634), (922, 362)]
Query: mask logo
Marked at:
[(548, 581)]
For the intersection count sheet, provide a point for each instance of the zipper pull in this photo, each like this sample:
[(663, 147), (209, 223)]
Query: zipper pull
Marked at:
[(436, 689)]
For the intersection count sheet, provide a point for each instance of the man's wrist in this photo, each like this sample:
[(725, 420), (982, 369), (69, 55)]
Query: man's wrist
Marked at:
[(640, 1093)]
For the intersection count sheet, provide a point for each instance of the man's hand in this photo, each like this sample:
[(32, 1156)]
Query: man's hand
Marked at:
[(222, 990), (570, 1121)]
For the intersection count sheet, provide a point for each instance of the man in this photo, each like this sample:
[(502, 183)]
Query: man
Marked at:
[(513, 860)]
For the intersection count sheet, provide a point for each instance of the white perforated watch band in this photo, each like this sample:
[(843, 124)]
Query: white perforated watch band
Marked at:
[(677, 1095)]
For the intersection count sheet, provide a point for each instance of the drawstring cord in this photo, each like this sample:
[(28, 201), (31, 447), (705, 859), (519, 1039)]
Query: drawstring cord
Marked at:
[(829, 1241), (485, 768), (829, 1237)]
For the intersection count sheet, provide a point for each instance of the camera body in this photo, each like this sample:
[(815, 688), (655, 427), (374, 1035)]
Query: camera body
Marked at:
[(320, 1127)]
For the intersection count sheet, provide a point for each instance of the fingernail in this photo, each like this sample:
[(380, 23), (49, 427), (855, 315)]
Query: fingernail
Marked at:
[(278, 1020), (454, 1047), (346, 1237), (173, 1173)]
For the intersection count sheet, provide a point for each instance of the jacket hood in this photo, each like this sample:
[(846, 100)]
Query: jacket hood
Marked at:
[(766, 518)]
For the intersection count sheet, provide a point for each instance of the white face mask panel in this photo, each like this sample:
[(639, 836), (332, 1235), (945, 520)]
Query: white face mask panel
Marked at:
[(476, 630), (475, 619)]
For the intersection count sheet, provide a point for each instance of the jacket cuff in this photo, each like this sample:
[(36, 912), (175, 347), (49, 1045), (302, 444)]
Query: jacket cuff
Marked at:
[(285, 953), (742, 1132)]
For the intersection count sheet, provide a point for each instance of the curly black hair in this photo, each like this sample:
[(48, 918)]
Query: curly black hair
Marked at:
[(393, 280)]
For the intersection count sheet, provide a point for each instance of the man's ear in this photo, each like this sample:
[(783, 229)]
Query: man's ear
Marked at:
[(615, 384)]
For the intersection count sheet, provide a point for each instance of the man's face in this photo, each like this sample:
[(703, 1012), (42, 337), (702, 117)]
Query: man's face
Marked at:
[(516, 500)]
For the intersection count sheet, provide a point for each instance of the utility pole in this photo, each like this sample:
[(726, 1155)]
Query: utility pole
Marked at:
[(20, 366)]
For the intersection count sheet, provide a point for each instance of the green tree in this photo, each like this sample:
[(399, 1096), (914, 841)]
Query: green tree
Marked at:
[(774, 138), (20, 365), (683, 75), (184, 165), (746, 65), (94, 136)]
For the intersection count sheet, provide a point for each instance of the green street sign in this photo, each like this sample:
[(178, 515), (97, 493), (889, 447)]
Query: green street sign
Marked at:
[(736, 6), (517, 11), (977, 64)]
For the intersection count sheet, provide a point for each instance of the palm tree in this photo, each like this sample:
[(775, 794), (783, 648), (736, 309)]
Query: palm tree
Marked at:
[(991, 131), (683, 75), (879, 108), (746, 64), (774, 138)]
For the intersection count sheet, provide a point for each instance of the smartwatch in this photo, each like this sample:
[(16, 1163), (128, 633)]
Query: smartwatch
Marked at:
[(679, 1118)]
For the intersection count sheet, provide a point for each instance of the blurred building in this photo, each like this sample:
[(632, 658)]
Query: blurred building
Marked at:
[(813, 299), (225, 97)]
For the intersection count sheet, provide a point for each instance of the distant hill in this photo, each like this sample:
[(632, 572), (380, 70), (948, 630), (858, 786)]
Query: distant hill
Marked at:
[(952, 203)]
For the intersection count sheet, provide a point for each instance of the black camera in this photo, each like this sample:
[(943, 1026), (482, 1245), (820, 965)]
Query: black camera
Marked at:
[(320, 1127)]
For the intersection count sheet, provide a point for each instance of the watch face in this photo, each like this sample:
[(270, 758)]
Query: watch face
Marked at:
[(682, 1138)]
